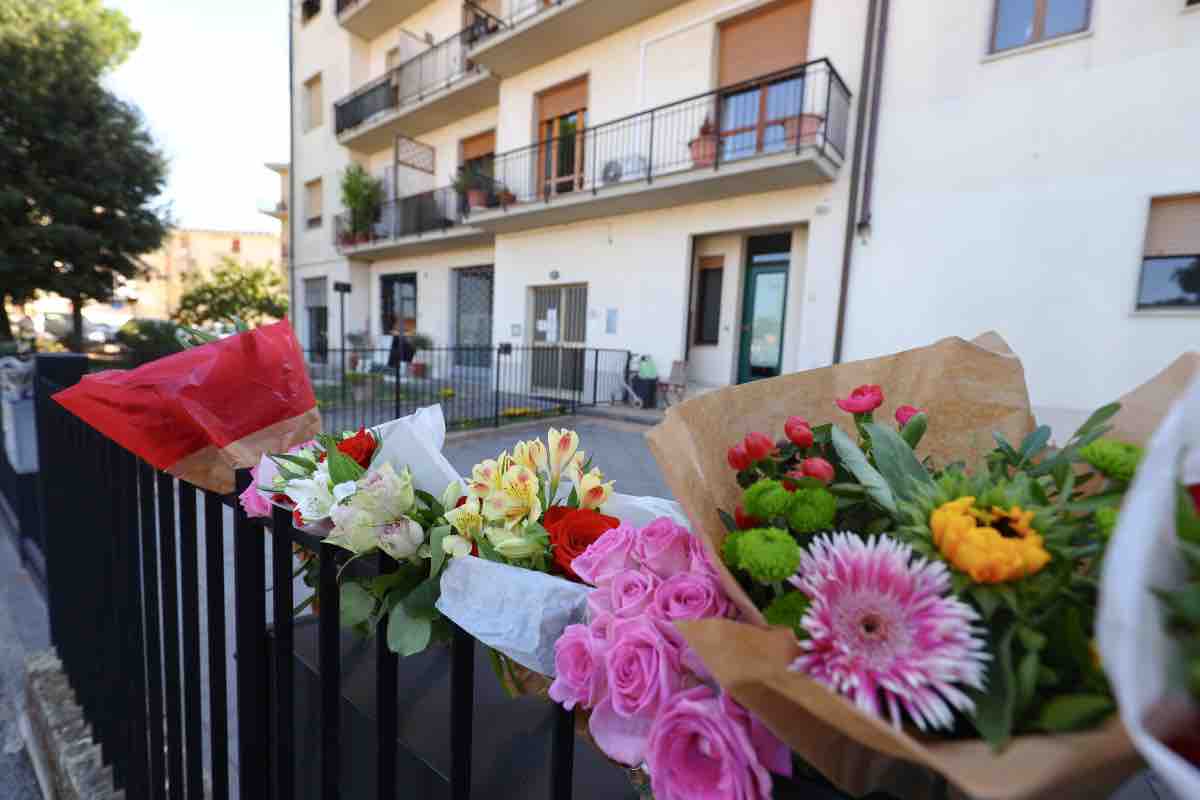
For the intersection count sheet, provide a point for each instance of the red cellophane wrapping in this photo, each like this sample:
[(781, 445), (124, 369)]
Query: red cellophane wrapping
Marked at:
[(207, 411)]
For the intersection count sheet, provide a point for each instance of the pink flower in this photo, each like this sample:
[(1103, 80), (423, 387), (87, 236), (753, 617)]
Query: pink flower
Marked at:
[(601, 627), (863, 400), (905, 413), (578, 668), (698, 750), (628, 594), (883, 626), (758, 445), (643, 672), (606, 556), (664, 547), (688, 596), (737, 457), (817, 468), (252, 500), (701, 563), (798, 432)]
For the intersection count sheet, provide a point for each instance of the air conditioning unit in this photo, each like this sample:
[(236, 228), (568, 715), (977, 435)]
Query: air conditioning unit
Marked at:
[(620, 170)]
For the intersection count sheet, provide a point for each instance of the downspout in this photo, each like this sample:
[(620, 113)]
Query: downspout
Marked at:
[(864, 218), (292, 205), (864, 88)]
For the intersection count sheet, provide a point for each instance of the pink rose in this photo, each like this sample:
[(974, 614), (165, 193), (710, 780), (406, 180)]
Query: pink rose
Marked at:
[(698, 751), (664, 547), (772, 753), (688, 596), (905, 413), (626, 595), (643, 672), (252, 500), (578, 668), (701, 563), (606, 556), (601, 626), (863, 400)]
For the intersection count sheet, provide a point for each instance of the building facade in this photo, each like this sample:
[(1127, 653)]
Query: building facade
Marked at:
[(756, 186)]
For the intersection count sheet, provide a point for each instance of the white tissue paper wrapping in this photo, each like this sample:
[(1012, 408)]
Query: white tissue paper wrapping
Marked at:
[(1140, 658), (522, 613)]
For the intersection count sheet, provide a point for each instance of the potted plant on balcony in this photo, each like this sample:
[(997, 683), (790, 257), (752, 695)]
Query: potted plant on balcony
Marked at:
[(420, 343), (362, 197), (472, 186), (704, 146)]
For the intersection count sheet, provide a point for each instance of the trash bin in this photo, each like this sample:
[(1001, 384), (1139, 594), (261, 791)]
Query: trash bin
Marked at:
[(17, 415), (647, 391)]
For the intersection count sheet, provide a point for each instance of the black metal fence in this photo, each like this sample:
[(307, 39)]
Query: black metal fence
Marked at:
[(476, 386), (798, 110), (414, 215), (19, 508), (433, 70)]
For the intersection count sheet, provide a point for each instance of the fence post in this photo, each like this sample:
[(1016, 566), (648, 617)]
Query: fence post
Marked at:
[(250, 604), (496, 395), (596, 378)]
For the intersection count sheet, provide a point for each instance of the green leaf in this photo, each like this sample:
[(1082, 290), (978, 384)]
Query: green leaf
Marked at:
[(914, 430), (1183, 604), (288, 472), (487, 550), (431, 502), (573, 498), (355, 604), (1097, 419), (1031, 639), (437, 556), (987, 600), (1035, 442), (822, 433), (1187, 521), (306, 464), (1027, 678), (421, 601), (995, 707), (727, 520), (1088, 505), (1006, 448), (1071, 712), (342, 468), (536, 533), (897, 462), (406, 634), (848, 490), (855, 461)]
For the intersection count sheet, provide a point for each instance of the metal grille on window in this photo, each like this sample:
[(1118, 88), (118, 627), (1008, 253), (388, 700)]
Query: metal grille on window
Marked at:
[(473, 325), (316, 299), (414, 154)]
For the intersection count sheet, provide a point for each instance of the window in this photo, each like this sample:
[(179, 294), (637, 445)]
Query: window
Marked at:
[(313, 199), (479, 154), (1171, 267), (708, 299), (316, 307), (392, 60), (237, 246), (1017, 23), (399, 295), (314, 103), (562, 115)]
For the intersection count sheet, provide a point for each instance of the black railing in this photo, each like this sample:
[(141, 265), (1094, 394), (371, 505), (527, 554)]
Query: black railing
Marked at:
[(342, 5), (437, 68), (476, 386), (309, 9), (517, 13), (796, 111), (435, 210)]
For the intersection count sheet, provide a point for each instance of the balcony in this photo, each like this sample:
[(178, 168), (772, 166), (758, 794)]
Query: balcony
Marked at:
[(277, 209), (420, 223), (426, 92), (775, 132), (535, 31), (370, 18)]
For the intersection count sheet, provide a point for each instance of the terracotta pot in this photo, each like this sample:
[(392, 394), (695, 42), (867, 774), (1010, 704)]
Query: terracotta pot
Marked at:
[(704, 150), (477, 198), (417, 369)]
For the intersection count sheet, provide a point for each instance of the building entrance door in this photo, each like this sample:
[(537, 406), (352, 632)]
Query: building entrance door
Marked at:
[(559, 336), (764, 307)]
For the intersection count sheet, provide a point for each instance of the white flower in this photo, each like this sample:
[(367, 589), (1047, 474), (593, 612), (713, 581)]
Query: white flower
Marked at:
[(354, 530), (401, 539), (512, 545), (563, 445), (592, 490), (467, 519), (456, 546), (385, 493), (451, 495), (312, 497), (344, 490)]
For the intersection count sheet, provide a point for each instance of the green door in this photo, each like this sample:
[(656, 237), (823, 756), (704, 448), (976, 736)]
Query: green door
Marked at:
[(764, 304)]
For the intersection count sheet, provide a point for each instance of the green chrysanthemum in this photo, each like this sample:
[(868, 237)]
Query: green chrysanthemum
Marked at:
[(767, 499), (729, 548), (1106, 520), (788, 610), (769, 555), (1112, 459), (812, 510)]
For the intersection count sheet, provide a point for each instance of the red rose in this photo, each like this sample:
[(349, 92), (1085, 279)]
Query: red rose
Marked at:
[(572, 530), (863, 400), (758, 445), (798, 432), (737, 457), (360, 447)]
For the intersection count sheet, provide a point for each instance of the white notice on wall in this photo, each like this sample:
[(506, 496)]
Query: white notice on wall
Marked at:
[(552, 325), (542, 326)]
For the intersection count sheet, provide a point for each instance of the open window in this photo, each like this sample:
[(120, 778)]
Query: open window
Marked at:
[(562, 121), (1170, 278)]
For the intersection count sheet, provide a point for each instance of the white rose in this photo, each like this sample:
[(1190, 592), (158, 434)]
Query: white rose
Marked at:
[(401, 539)]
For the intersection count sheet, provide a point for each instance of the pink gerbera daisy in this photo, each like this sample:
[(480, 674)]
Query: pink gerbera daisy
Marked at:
[(883, 626)]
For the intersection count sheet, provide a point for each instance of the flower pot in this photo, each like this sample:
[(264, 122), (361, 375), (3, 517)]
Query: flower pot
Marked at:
[(477, 198), (704, 150), (507, 198), (803, 129), (417, 369)]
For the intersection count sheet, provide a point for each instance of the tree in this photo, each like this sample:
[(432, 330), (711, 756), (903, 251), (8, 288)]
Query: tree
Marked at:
[(81, 172), (246, 292), (1188, 277), (361, 196)]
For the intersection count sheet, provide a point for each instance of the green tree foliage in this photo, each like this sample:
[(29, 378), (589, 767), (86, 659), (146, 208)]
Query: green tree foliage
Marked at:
[(81, 172), (233, 291), (1188, 277), (362, 196)]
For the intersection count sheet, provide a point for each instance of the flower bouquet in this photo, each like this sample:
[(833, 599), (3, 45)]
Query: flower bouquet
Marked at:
[(930, 586), (1149, 623)]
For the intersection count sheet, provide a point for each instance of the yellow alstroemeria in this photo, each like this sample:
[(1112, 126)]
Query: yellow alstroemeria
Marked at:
[(592, 490), (520, 455), (574, 470), (537, 455), (517, 499), (563, 445), (971, 540), (486, 477), (467, 519)]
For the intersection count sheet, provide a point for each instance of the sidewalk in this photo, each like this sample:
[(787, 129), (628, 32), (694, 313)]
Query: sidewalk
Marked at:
[(24, 629)]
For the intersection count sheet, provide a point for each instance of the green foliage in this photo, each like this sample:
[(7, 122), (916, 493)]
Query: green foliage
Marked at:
[(768, 555), (787, 610), (103, 35), (855, 460), (1114, 460), (896, 461), (362, 195), (149, 338), (233, 290), (812, 509)]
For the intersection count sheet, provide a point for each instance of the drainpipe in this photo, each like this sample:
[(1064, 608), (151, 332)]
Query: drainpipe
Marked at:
[(292, 205), (864, 89), (864, 217)]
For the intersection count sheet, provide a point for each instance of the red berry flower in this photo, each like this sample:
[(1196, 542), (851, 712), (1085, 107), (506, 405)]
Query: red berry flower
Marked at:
[(758, 445), (738, 458), (798, 432), (905, 413), (863, 400)]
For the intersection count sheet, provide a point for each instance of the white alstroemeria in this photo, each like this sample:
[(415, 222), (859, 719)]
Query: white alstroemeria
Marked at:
[(592, 490), (354, 530), (344, 490), (517, 500), (563, 445), (456, 546), (467, 519), (402, 539), (574, 470), (312, 497), (485, 478), (512, 544), (451, 495), (385, 493)]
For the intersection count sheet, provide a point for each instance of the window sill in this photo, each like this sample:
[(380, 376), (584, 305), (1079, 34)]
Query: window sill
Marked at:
[(1028, 48), (1144, 313), (1191, 9)]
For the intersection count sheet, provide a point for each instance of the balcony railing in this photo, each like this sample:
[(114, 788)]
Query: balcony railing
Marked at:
[(309, 9), (438, 68), (435, 210), (800, 110), (517, 12)]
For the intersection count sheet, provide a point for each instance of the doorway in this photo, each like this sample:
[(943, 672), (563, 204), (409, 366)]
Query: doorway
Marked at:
[(764, 307), (559, 336), (473, 323)]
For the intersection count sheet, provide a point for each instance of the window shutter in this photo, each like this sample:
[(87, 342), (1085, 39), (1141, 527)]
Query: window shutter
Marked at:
[(1174, 228), (763, 41), (477, 146), (563, 99)]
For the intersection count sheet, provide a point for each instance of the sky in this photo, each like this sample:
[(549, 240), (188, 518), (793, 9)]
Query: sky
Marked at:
[(211, 79)]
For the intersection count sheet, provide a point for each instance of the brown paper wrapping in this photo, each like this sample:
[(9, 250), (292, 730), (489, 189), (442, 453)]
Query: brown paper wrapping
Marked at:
[(970, 390)]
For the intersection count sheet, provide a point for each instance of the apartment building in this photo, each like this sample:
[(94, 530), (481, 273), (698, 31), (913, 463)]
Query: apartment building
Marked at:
[(758, 186), (280, 209)]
